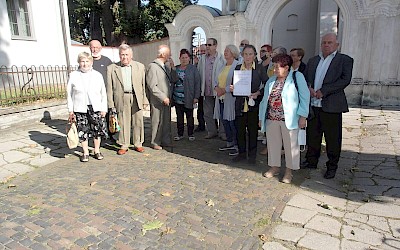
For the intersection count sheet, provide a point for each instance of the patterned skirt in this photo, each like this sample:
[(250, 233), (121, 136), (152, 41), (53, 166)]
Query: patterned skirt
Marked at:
[(90, 124)]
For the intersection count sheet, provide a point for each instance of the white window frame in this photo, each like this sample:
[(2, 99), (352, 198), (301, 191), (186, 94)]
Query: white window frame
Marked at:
[(19, 20)]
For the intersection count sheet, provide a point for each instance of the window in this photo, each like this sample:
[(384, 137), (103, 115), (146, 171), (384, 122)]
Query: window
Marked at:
[(19, 17), (292, 22)]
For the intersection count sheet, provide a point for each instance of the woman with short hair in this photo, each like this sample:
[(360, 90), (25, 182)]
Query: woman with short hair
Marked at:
[(283, 111), (87, 105), (225, 102), (186, 93), (246, 107)]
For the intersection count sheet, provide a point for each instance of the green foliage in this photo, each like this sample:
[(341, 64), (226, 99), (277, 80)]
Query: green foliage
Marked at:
[(144, 22)]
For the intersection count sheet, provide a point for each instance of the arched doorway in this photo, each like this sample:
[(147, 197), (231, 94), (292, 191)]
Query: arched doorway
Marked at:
[(181, 29)]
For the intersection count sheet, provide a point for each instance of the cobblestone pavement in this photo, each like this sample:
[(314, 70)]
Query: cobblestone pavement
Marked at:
[(192, 196)]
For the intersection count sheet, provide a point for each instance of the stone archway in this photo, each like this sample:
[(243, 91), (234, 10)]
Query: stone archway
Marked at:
[(180, 30)]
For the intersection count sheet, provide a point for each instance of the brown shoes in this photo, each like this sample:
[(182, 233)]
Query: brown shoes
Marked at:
[(122, 151), (287, 178), (156, 147), (271, 172), (139, 149), (264, 151)]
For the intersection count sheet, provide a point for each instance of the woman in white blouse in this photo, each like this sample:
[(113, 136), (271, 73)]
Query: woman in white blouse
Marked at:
[(87, 105)]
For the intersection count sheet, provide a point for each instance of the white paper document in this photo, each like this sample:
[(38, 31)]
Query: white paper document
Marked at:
[(242, 82)]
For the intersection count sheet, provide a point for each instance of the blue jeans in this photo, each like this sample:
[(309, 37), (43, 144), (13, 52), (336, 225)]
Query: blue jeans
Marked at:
[(229, 126)]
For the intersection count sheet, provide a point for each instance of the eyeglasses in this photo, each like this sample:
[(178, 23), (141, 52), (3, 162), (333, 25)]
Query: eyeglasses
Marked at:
[(209, 44), (243, 44), (263, 51)]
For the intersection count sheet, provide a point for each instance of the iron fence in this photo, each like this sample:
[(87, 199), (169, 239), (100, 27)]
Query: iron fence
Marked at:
[(29, 84)]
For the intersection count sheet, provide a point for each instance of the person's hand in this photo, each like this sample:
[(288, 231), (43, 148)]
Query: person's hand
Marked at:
[(166, 101), (312, 92), (231, 88), (103, 114), (318, 94), (255, 94), (71, 117), (220, 91), (259, 123), (195, 101), (302, 122), (171, 63)]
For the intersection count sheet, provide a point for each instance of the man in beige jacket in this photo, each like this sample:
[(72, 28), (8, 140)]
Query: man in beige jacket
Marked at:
[(125, 95)]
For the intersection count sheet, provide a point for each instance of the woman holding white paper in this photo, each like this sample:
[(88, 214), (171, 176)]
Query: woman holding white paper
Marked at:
[(283, 111), (246, 107)]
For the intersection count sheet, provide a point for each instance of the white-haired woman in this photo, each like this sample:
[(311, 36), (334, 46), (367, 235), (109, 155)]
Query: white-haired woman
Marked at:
[(87, 105), (225, 102)]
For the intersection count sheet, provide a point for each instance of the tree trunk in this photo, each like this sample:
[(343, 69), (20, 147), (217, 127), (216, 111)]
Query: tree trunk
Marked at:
[(108, 20), (95, 26)]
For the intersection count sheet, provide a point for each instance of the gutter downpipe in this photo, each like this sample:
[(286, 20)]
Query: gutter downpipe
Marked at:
[(64, 31)]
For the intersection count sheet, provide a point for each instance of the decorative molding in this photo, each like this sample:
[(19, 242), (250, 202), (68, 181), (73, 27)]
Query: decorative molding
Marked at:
[(389, 82), (366, 9)]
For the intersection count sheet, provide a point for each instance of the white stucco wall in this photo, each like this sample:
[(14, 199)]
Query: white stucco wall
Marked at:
[(47, 47), (304, 36)]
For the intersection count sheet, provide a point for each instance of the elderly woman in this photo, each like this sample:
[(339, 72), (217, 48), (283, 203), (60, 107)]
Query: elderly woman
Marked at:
[(246, 107), (87, 105), (283, 112), (225, 103), (297, 55), (186, 93)]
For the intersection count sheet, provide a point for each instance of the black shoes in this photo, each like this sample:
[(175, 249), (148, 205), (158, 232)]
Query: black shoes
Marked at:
[(199, 129), (307, 165), (330, 174)]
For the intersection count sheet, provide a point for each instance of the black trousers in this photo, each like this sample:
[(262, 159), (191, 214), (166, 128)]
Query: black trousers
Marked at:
[(329, 125), (248, 122), (181, 110), (200, 114)]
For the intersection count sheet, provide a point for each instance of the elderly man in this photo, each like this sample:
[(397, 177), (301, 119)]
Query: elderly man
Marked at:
[(243, 43), (100, 62), (159, 82), (125, 94), (327, 75), (210, 65)]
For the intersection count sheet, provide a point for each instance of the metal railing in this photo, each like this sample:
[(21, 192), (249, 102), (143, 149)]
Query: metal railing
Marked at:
[(28, 84)]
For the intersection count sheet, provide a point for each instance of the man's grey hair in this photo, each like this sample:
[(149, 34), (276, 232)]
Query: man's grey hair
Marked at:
[(162, 49), (282, 50), (125, 47)]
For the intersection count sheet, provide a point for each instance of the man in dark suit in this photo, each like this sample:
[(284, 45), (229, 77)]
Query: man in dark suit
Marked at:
[(327, 75)]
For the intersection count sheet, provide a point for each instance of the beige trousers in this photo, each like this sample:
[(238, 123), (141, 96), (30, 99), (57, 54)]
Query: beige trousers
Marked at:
[(131, 119), (276, 133)]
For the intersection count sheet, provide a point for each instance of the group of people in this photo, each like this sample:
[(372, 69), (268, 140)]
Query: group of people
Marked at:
[(286, 95)]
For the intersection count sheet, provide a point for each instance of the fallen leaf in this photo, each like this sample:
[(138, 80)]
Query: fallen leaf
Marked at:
[(323, 205), (146, 154), (168, 230), (151, 225), (166, 194), (210, 203), (352, 232), (263, 237), (93, 183), (11, 186), (191, 176)]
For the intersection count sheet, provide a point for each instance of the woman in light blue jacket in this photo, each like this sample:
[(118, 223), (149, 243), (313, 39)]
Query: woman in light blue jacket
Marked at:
[(283, 111)]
